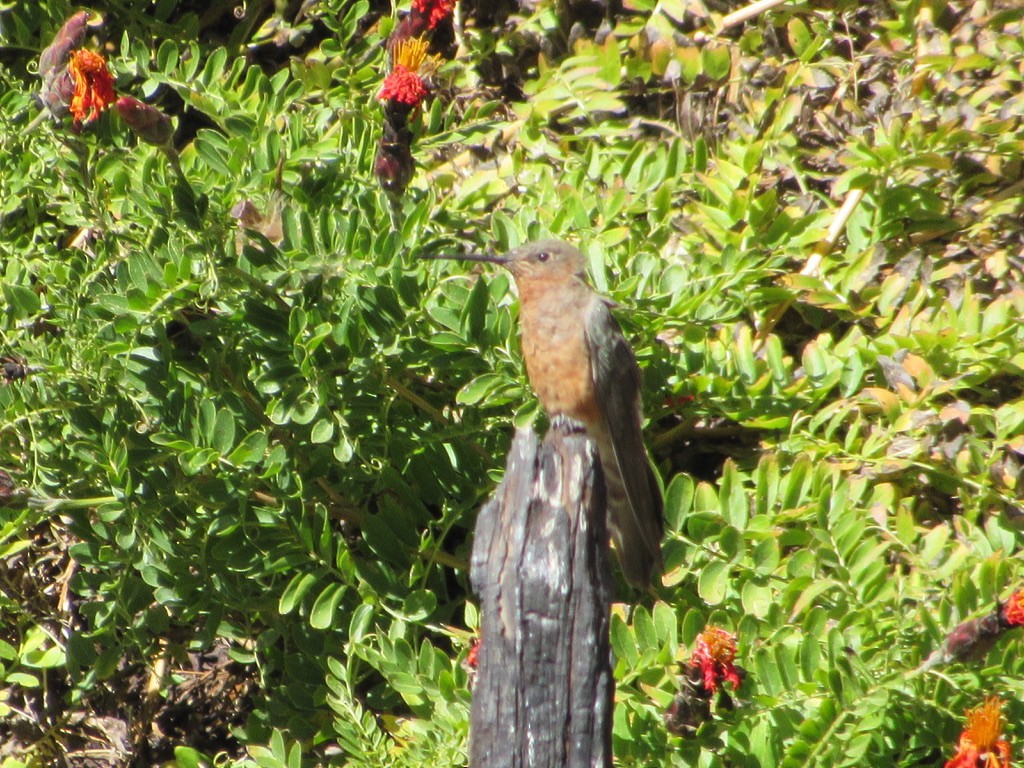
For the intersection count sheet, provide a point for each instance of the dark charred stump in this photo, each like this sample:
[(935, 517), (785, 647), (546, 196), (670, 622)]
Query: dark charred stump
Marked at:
[(543, 694)]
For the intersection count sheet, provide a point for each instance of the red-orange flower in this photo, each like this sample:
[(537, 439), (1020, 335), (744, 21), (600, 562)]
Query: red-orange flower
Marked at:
[(404, 83), (433, 10), (1013, 611), (981, 744), (715, 653), (94, 85), (403, 86)]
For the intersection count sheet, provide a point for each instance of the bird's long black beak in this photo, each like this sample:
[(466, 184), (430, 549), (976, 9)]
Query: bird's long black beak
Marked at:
[(465, 257)]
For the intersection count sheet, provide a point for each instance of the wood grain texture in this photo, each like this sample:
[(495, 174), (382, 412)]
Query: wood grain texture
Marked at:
[(544, 688)]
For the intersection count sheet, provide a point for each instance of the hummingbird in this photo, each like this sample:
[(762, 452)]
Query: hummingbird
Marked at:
[(581, 366)]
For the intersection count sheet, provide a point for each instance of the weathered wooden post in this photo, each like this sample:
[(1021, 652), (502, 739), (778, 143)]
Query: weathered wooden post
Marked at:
[(544, 689)]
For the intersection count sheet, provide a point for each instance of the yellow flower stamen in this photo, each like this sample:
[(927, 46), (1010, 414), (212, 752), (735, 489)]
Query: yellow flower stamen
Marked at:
[(721, 644), (985, 724), (411, 53)]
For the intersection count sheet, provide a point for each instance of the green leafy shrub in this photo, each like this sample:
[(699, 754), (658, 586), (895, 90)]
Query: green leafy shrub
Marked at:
[(254, 426)]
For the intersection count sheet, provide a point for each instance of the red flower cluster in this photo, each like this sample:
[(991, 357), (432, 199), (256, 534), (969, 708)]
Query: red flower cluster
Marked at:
[(404, 85), (713, 662), (714, 655), (74, 79), (982, 744), (403, 92), (427, 29), (434, 11), (77, 80), (94, 86), (1013, 611)]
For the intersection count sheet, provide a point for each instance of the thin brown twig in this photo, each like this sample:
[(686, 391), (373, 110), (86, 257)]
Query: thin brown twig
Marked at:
[(340, 508), (440, 556), (411, 397), (436, 414)]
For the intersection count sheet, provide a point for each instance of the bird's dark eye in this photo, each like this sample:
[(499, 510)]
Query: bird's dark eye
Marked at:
[(543, 256)]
